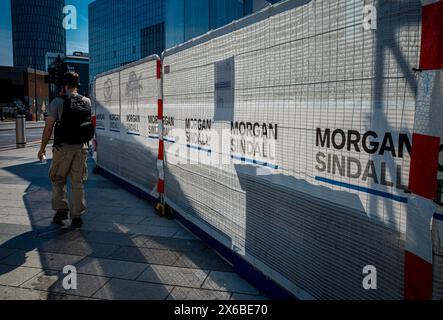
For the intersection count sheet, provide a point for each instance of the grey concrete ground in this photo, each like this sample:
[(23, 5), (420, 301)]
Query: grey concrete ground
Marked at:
[(123, 251)]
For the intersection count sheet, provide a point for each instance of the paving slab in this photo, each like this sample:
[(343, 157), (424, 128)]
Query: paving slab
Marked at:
[(41, 260), (174, 244), (228, 281), (101, 237), (25, 241), (118, 289), (15, 211), (184, 277), (52, 281), (180, 293), (158, 231), (113, 238), (111, 268), (10, 196), (119, 218), (15, 276), (66, 234), (12, 219), (203, 259), (101, 208), (139, 204), (98, 226), (15, 229), (149, 211), (12, 204), (146, 255), (77, 248), (4, 252), (184, 234), (247, 297), (14, 293), (42, 224), (161, 222)]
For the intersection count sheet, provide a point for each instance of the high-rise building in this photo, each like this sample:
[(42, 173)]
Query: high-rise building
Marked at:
[(186, 19), (121, 32), (37, 29)]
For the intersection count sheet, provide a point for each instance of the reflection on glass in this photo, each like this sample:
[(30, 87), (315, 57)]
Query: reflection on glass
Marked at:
[(186, 19), (224, 11), (174, 22), (196, 18)]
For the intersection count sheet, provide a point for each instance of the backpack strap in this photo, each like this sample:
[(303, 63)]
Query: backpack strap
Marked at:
[(66, 104)]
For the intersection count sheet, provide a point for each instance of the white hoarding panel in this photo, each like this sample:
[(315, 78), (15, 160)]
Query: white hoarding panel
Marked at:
[(126, 114), (291, 141)]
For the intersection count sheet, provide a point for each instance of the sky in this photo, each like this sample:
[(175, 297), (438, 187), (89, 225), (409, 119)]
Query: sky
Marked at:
[(76, 40)]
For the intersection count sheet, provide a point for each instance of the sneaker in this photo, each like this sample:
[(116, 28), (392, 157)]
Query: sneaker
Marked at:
[(77, 223), (60, 216)]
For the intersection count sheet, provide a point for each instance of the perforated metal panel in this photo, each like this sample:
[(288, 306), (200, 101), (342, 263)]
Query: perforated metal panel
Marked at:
[(297, 212), (127, 131), (288, 138)]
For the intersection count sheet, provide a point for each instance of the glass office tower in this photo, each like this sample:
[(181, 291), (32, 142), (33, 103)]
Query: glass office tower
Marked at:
[(37, 29), (186, 19), (123, 31)]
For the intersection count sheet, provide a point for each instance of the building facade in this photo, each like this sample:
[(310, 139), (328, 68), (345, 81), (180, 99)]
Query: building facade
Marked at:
[(121, 32), (186, 19), (37, 29), (77, 62), (20, 87)]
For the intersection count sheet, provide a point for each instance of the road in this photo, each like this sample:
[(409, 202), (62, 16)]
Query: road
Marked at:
[(7, 137)]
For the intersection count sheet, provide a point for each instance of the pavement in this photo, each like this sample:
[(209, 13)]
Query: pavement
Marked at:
[(124, 250)]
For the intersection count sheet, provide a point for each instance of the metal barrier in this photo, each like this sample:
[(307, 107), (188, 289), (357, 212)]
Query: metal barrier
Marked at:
[(126, 101), (288, 138), (318, 113)]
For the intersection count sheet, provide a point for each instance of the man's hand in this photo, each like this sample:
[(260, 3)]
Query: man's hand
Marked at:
[(41, 153), (47, 131)]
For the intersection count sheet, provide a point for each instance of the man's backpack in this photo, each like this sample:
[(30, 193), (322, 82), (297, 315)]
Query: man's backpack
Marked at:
[(75, 125)]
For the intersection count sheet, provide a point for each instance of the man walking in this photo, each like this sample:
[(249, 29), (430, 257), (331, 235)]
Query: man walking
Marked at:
[(70, 117)]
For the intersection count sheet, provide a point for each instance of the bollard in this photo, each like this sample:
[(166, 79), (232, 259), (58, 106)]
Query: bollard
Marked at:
[(20, 131)]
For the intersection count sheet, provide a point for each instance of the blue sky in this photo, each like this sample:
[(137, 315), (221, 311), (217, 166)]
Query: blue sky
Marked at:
[(76, 40)]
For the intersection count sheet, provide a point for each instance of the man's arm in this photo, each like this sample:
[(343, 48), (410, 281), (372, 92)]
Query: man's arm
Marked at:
[(47, 132)]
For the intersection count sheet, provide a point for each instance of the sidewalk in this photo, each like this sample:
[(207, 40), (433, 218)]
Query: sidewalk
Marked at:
[(123, 251)]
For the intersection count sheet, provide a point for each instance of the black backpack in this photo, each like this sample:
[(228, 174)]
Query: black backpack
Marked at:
[(75, 125)]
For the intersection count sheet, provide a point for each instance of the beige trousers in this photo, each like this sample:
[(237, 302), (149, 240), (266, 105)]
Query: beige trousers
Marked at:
[(68, 162)]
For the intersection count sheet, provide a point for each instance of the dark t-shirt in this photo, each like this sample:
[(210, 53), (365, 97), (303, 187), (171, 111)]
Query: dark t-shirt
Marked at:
[(55, 110)]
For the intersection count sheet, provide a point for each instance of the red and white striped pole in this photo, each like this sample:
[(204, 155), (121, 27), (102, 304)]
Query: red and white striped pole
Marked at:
[(161, 146), (418, 278), (94, 140)]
